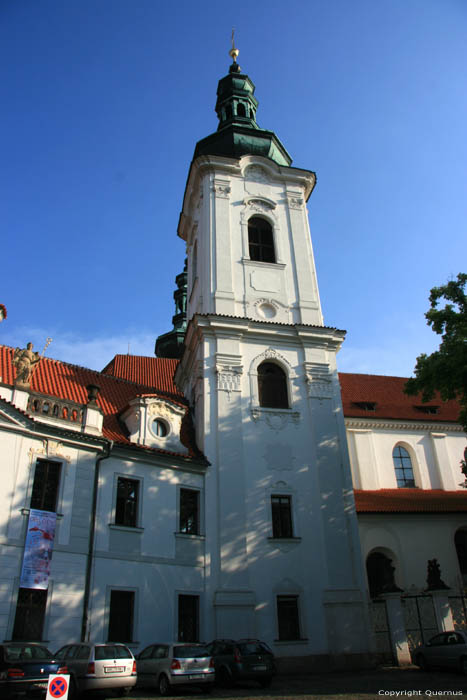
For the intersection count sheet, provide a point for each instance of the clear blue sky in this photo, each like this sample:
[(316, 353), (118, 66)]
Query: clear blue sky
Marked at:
[(104, 100)]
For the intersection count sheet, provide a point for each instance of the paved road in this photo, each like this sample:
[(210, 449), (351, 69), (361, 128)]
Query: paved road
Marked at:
[(380, 684)]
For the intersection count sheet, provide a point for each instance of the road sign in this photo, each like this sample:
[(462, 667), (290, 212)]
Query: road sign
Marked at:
[(58, 687)]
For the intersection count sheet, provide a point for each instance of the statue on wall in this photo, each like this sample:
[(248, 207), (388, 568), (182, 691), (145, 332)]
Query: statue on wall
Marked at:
[(433, 579), (25, 361)]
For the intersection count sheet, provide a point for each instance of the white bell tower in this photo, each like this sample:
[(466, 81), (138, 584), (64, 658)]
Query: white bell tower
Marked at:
[(283, 558)]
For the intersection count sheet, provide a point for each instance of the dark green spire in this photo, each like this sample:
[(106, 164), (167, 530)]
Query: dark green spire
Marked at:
[(171, 344), (238, 134)]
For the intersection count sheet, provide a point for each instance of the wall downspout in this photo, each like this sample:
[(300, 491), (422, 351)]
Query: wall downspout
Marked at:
[(90, 555)]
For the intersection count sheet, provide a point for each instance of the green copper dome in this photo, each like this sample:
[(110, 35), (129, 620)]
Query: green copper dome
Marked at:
[(238, 134)]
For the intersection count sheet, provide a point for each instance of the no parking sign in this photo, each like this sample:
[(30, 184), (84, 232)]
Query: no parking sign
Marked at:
[(58, 687)]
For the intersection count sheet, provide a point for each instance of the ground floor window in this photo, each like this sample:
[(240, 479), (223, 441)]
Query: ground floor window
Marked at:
[(121, 613), (288, 617), (30, 614), (188, 618)]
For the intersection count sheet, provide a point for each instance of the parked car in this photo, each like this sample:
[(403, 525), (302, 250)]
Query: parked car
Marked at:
[(242, 660), (99, 667), (166, 665), (445, 650), (25, 669)]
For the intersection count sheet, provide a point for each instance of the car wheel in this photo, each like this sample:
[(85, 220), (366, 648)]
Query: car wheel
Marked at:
[(207, 689), (422, 663), (463, 665), (164, 685), (265, 682), (224, 678), (121, 692)]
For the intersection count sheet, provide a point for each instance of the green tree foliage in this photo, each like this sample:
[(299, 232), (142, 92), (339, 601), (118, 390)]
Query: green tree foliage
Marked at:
[(445, 371)]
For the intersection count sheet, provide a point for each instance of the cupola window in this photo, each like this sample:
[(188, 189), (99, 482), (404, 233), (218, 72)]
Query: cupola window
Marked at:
[(241, 112), (272, 386), (261, 240)]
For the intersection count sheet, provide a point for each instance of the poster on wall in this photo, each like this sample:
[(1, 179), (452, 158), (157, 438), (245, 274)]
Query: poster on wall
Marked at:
[(38, 549)]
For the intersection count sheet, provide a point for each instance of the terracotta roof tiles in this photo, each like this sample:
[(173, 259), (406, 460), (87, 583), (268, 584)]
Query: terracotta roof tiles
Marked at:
[(410, 501)]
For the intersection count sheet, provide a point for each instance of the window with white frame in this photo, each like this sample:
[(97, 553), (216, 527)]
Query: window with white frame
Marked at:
[(403, 468), (288, 618), (127, 502), (281, 511), (272, 386), (261, 240), (45, 486), (189, 522)]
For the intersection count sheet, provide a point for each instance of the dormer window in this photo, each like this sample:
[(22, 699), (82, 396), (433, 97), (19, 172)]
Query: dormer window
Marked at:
[(365, 405), (431, 410)]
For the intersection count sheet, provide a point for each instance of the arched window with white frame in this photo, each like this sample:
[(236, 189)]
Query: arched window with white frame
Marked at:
[(403, 468), (272, 386), (261, 240)]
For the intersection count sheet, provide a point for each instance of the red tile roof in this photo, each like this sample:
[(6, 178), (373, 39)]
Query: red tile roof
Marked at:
[(66, 381), (387, 393), (410, 501), (150, 371)]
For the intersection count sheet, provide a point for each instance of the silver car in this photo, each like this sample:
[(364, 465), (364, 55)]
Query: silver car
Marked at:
[(445, 650), (166, 665), (99, 667)]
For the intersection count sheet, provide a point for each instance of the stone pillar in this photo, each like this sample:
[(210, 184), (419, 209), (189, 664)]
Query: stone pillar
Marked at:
[(397, 631), (442, 609)]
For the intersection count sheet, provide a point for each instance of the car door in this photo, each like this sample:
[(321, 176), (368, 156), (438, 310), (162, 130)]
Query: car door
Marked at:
[(144, 666), (453, 649), (435, 650), (159, 661)]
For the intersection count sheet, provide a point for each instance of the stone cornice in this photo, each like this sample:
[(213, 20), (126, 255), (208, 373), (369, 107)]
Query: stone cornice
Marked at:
[(398, 424)]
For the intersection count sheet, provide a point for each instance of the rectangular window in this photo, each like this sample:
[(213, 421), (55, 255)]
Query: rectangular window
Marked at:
[(287, 617), (189, 511), (126, 510), (45, 487), (188, 618), (281, 516), (122, 604), (30, 613)]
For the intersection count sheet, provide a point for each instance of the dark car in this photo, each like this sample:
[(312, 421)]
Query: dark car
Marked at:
[(444, 650), (242, 660), (25, 669)]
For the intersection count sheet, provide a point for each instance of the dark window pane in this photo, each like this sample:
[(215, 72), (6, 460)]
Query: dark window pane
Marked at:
[(121, 617), (45, 486), (287, 617), (188, 620), (403, 468), (460, 540), (126, 511), (189, 511), (272, 386), (30, 613), (260, 240), (281, 516)]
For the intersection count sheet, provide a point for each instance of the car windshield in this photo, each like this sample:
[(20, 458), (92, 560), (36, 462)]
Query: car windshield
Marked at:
[(247, 648), (110, 651), (25, 652), (190, 652)]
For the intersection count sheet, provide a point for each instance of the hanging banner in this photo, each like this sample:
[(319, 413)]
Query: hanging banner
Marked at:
[(38, 549)]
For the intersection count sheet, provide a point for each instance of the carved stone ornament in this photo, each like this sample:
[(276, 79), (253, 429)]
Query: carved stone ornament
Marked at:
[(221, 189), (318, 378), (260, 206), (229, 377), (275, 420), (255, 173), (295, 202)]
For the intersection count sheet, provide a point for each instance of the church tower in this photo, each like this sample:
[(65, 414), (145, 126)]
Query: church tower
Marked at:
[(283, 556)]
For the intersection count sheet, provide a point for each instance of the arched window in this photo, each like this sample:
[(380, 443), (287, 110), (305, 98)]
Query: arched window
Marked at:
[(460, 540), (380, 572), (261, 240), (241, 112), (403, 468), (272, 386)]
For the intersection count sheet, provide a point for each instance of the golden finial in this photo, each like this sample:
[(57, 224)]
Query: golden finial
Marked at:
[(233, 51)]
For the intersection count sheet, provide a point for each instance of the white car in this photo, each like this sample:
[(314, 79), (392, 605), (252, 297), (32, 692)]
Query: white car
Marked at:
[(99, 667)]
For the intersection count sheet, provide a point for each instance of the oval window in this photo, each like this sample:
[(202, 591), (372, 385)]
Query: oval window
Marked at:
[(159, 428)]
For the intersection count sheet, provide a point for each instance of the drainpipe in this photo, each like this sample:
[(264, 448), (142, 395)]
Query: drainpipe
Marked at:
[(87, 583)]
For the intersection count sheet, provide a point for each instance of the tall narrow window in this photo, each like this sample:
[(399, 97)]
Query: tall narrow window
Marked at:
[(403, 468), (281, 516), (260, 240), (272, 386), (288, 617), (189, 511), (121, 613), (188, 618), (30, 613), (45, 487), (126, 510), (460, 540)]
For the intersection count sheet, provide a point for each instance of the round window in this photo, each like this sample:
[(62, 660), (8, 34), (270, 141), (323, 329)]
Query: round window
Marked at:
[(160, 428)]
